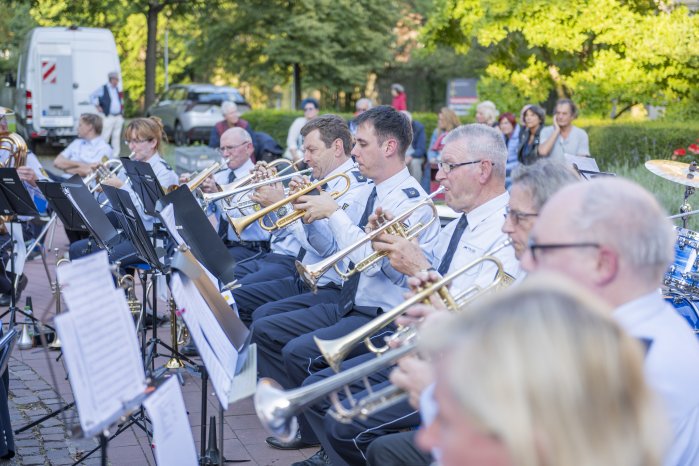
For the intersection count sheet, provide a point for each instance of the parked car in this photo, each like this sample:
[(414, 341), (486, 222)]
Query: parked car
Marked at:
[(189, 111)]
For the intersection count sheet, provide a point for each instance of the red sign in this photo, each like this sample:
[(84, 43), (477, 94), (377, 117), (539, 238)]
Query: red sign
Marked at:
[(48, 71)]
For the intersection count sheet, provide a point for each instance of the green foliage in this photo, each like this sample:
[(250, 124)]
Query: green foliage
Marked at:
[(598, 51), (634, 143), (335, 43), (15, 23)]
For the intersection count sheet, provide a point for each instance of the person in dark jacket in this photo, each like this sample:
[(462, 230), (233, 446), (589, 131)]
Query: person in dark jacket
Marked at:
[(528, 152), (416, 155)]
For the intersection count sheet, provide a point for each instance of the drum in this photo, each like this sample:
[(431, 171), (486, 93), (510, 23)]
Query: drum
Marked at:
[(686, 308), (683, 274)]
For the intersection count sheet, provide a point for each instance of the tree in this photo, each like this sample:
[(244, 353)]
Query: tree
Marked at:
[(126, 19), (332, 45), (14, 26), (600, 52)]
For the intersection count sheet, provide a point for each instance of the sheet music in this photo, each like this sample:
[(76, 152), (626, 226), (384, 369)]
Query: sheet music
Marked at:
[(245, 383), (583, 163), (172, 438), (168, 217), (99, 343), (216, 352), (18, 248), (85, 279)]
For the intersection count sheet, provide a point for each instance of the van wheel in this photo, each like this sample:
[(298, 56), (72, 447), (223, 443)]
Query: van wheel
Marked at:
[(180, 136)]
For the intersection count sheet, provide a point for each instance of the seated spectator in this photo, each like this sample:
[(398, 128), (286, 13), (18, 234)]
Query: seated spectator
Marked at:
[(361, 106), (447, 120), (400, 98), (85, 153), (530, 136), (487, 113), (563, 138), (510, 131), (231, 119), (566, 363), (294, 141), (416, 155)]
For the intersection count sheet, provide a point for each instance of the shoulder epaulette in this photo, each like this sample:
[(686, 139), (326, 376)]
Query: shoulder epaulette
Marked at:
[(411, 192)]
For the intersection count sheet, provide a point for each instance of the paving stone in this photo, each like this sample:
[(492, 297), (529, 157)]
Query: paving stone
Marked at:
[(51, 430), (24, 400), (33, 460), (54, 437)]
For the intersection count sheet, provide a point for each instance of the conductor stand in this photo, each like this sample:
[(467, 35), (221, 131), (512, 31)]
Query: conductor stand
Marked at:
[(14, 202)]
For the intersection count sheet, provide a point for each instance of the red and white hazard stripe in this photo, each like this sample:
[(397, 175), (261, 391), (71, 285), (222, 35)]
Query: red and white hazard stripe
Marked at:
[(48, 71)]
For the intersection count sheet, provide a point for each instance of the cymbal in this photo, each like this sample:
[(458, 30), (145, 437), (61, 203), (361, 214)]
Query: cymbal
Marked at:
[(677, 172)]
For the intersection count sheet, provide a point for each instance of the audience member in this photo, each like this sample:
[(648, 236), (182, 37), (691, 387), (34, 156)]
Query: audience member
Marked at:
[(447, 120), (400, 98), (487, 113), (231, 119), (530, 135), (563, 138), (510, 131), (294, 141), (416, 155)]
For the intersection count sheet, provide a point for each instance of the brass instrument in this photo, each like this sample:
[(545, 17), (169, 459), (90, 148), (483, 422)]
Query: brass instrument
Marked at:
[(202, 175), (56, 290), (128, 284), (174, 362), (277, 409), (240, 224), (311, 273), (229, 192), (335, 351), (14, 145)]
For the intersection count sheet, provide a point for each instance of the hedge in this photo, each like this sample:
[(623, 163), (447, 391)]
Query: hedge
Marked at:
[(611, 143)]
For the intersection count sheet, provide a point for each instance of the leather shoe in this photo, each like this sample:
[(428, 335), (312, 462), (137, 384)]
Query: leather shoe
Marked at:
[(5, 298), (293, 444), (318, 459), (190, 349)]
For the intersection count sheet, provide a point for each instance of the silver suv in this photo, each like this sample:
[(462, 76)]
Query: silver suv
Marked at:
[(189, 111)]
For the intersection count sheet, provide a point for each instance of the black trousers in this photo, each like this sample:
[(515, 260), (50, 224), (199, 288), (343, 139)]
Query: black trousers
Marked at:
[(267, 267), (397, 450)]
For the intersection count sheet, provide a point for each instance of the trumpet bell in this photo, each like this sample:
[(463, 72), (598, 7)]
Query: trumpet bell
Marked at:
[(275, 411)]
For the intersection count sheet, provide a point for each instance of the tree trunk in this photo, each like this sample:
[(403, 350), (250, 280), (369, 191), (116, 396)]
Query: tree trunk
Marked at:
[(297, 86), (151, 48)]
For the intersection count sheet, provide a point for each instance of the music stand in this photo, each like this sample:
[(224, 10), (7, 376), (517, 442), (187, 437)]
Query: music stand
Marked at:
[(61, 205), (14, 201), (144, 183), (200, 235), (94, 219)]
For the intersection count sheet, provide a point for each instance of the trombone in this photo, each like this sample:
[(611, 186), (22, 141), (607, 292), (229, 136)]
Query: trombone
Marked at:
[(241, 223), (335, 351), (312, 273)]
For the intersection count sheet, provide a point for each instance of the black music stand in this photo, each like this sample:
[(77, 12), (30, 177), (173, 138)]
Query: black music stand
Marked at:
[(200, 235), (14, 201), (62, 206), (144, 183), (93, 218)]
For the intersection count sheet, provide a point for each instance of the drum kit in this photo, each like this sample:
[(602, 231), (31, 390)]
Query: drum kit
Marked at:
[(682, 278)]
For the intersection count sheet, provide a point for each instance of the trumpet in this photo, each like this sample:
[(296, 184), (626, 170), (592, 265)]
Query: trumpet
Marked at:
[(202, 175), (240, 224), (335, 351), (277, 409), (106, 169), (312, 273)]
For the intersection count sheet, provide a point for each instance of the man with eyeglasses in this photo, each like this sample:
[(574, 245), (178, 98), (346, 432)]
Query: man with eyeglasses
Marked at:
[(237, 149), (613, 237), (472, 171), (294, 141), (532, 186)]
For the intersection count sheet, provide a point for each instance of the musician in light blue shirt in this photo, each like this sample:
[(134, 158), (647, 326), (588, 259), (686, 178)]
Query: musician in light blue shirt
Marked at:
[(86, 152)]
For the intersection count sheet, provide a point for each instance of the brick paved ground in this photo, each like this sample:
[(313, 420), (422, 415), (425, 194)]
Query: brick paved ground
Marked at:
[(33, 393)]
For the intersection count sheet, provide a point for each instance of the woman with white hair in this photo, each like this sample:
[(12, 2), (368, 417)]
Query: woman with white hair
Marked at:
[(231, 119), (540, 376), (487, 113)]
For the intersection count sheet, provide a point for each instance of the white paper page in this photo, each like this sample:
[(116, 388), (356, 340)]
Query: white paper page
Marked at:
[(168, 216), (193, 307), (86, 276), (100, 344), (103, 362), (19, 248), (172, 437), (245, 382)]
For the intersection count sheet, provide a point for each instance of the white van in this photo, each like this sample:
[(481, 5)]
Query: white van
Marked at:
[(59, 68)]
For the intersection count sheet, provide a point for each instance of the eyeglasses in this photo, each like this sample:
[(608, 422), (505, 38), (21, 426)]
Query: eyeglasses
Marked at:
[(517, 216), (136, 141), (308, 109), (533, 246), (224, 149), (448, 167)]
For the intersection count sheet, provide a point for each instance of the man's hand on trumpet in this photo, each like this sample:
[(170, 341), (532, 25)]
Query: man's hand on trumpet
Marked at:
[(297, 183), (413, 375), (405, 255), (268, 194), (209, 185)]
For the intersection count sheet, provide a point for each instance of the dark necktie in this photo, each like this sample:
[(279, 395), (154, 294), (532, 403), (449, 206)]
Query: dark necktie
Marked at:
[(349, 288), (453, 243), (222, 220)]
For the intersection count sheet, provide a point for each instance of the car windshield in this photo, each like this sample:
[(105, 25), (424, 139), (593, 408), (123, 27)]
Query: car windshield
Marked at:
[(215, 97)]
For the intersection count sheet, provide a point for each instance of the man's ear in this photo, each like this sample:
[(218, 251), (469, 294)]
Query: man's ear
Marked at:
[(607, 265), (390, 147)]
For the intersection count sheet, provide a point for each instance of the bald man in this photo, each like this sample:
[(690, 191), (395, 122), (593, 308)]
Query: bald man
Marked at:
[(611, 236)]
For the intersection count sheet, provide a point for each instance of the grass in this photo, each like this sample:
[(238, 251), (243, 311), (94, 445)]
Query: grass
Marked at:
[(669, 194)]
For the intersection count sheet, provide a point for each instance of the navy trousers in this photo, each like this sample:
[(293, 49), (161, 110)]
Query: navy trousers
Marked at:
[(397, 450), (265, 268)]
